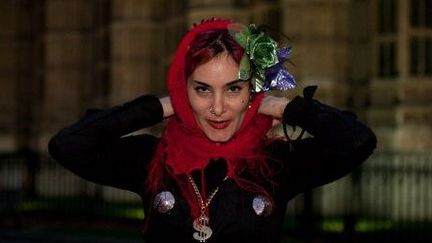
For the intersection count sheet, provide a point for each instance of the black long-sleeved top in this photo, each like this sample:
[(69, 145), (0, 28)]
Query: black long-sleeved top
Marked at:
[(96, 149)]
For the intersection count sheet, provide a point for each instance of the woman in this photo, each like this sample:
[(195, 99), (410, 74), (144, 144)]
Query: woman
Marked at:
[(215, 175)]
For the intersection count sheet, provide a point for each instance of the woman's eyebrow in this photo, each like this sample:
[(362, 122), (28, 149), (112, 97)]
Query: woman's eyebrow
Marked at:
[(234, 82), (200, 83)]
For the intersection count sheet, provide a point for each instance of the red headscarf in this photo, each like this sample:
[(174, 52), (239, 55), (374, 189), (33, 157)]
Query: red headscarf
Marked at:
[(184, 146)]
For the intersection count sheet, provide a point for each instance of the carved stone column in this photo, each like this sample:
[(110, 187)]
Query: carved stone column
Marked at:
[(143, 35), (319, 33), (67, 52), (19, 92)]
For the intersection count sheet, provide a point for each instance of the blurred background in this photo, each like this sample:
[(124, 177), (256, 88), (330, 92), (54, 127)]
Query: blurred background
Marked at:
[(60, 57)]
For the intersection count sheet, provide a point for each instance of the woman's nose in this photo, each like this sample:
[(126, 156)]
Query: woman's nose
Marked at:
[(218, 106)]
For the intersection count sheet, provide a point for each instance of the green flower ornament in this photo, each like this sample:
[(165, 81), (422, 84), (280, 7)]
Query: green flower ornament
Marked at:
[(261, 53)]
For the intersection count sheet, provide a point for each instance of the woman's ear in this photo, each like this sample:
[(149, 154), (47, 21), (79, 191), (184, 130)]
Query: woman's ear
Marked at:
[(250, 98)]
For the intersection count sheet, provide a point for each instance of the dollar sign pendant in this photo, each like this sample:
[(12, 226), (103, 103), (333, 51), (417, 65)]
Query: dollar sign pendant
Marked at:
[(200, 224)]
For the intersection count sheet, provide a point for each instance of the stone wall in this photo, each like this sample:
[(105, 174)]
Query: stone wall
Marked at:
[(319, 33), (20, 85), (400, 104), (59, 57)]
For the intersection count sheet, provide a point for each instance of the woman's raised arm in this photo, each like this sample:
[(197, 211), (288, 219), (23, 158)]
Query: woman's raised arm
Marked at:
[(96, 148)]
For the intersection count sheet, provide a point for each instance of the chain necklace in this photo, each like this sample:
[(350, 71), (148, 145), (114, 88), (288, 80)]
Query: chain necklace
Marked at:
[(201, 223)]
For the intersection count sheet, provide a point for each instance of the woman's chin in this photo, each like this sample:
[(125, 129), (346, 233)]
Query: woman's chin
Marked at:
[(219, 137)]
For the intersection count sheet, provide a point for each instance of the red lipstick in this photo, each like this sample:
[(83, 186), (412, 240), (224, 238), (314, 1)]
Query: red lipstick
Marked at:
[(219, 124)]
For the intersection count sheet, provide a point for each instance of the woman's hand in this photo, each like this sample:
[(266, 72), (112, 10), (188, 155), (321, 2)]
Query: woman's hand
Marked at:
[(167, 107), (273, 106)]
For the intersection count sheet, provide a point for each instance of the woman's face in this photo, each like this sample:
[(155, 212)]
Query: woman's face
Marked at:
[(218, 98)]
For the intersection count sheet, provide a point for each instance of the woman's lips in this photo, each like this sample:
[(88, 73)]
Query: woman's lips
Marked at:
[(219, 124)]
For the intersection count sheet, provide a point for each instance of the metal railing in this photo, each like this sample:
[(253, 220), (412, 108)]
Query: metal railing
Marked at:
[(391, 192)]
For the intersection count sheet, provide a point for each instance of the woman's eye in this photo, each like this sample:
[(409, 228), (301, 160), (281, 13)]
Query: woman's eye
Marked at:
[(234, 89), (202, 89)]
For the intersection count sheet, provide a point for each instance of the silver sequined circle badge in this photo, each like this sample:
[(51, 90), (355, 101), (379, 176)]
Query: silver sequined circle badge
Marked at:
[(164, 201), (262, 205)]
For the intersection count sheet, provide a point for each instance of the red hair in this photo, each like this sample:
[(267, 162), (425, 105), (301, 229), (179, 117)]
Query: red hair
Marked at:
[(209, 44)]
